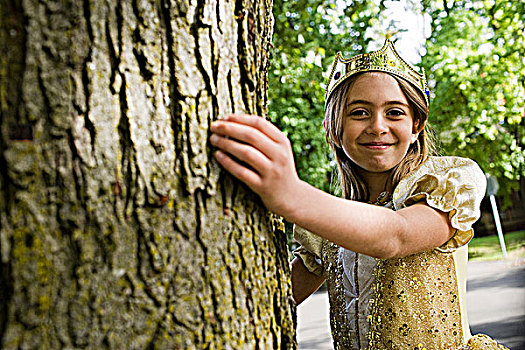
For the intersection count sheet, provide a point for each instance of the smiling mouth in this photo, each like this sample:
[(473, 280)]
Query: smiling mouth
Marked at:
[(376, 146)]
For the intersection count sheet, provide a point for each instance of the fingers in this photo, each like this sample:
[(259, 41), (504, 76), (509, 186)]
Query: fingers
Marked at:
[(245, 135), (258, 123), (244, 174), (257, 153), (253, 150), (243, 152)]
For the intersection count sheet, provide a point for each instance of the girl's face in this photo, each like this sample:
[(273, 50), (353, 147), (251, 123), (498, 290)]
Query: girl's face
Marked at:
[(378, 126)]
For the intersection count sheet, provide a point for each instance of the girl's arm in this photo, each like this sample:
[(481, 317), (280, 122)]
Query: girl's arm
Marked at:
[(304, 282), (267, 167)]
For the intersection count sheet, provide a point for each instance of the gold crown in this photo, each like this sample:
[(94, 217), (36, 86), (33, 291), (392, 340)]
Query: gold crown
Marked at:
[(385, 59)]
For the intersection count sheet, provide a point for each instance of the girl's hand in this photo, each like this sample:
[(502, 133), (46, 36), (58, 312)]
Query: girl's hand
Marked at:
[(257, 153), (268, 167)]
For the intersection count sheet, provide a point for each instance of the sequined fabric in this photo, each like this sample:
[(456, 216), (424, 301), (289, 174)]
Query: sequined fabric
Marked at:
[(339, 322), (415, 303)]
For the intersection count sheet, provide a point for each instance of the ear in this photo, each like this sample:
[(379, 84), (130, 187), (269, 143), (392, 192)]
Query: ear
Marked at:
[(415, 132)]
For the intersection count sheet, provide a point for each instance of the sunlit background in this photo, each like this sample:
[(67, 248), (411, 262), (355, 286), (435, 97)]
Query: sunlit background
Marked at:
[(472, 51)]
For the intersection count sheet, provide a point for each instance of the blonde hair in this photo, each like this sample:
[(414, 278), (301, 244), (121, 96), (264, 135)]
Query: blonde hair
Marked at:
[(352, 184)]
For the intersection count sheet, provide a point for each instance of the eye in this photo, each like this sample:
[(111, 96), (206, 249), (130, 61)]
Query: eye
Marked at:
[(396, 113), (358, 113)]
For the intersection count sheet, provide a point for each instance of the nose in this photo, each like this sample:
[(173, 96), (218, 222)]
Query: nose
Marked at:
[(378, 124)]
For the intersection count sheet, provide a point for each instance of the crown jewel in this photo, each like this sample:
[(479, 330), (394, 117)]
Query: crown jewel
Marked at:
[(385, 59)]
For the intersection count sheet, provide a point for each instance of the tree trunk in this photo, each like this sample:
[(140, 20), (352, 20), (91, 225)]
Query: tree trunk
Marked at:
[(118, 229)]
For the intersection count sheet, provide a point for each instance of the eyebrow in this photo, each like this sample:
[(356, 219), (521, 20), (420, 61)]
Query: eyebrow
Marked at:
[(365, 102)]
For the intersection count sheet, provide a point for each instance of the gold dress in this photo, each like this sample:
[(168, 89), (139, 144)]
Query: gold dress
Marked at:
[(414, 302)]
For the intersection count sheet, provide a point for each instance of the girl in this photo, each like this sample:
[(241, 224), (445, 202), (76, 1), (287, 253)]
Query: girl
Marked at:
[(391, 248)]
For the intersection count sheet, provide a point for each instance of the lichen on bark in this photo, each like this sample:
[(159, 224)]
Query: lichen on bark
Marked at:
[(117, 227)]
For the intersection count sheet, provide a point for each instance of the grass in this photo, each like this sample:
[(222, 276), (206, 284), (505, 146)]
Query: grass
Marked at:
[(488, 247)]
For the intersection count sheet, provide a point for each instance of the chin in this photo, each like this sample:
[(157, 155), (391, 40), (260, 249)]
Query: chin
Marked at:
[(379, 166), (376, 168), (380, 170)]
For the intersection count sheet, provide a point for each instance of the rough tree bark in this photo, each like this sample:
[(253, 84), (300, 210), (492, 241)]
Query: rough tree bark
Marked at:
[(118, 229)]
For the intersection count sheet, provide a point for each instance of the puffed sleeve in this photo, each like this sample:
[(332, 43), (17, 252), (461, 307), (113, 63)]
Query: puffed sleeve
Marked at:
[(452, 185), (310, 250), (484, 342)]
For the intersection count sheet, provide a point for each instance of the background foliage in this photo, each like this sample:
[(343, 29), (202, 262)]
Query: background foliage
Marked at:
[(474, 61), (308, 34), (475, 57)]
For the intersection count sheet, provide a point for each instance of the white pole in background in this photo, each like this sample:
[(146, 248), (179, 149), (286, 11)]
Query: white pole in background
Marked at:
[(492, 188), (498, 226)]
